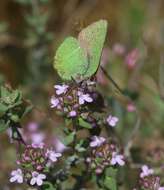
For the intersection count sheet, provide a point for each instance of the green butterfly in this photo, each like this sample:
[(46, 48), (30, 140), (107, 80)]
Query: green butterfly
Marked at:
[(81, 57)]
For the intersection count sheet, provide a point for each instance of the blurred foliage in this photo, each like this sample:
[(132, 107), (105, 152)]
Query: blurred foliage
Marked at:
[(30, 32), (12, 109)]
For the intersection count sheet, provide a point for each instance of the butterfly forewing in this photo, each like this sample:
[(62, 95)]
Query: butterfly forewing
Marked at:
[(92, 39)]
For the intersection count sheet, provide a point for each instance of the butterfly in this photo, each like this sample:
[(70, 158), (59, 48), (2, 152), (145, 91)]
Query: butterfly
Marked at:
[(81, 57)]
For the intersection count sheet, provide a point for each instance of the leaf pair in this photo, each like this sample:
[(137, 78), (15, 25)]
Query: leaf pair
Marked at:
[(80, 58), (12, 107)]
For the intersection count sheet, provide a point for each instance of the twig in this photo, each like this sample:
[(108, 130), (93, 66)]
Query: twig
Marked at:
[(19, 137), (138, 122), (111, 80), (130, 140)]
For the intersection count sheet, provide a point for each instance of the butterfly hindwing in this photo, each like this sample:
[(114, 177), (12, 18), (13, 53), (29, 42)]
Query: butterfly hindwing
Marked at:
[(70, 59)]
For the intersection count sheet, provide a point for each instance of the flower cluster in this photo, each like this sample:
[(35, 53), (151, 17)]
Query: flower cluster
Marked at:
[(34, 162), (148, 181), (156, 155), (103, 154), (72, 100), (132, 58), (112, 120)]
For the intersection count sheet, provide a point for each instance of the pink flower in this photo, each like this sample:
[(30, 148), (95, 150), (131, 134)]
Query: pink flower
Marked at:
[(84, 98), (132, 58), (61, 89), (54, 102), (118, 49), (72, 113), (37, 137), (32, 127), (59, 146), (37, 178), (112, 120), (146, 171), (37, 140), (17, 176), (40, 145), (117, 159), (52, 155), (97, 141), (161, 188), (98, 171), (130, 107)]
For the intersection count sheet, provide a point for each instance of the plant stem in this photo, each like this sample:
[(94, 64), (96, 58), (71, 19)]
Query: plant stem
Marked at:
[(132, 135)]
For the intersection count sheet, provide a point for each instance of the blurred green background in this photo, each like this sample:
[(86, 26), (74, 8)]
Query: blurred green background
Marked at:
[(31, 31)]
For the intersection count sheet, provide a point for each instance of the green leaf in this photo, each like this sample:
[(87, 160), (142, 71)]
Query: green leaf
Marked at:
[(3, 125), (112, 172), (27, 110), (110, 183), (79, 146), (48, 186), (70, 59), (14, 96), (69, 138), (8, 97), (3, 109), (71, 159), (92, 40), (15, 118), (84, 124), (4, 92)]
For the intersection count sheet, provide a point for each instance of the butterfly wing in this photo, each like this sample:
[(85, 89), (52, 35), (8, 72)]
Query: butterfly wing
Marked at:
[(92, 39), (70, 59)]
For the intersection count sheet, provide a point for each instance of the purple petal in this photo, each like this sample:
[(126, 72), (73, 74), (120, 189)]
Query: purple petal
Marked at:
[(20, 179), (113, 161), (33, 181), (13, 179), (72, 113), (42, 176)]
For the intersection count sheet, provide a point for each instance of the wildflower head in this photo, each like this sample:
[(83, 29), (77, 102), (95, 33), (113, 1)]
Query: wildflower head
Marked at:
[(61, 89), (146, 171), (131, 107), (52, 155), (132, 58), (97, 141), (117, 159), (16, 176), (104, 154), (35, 161), (118, 49), (112, 120), (37, 178), (71, 100), (34, 157), (148, 180)]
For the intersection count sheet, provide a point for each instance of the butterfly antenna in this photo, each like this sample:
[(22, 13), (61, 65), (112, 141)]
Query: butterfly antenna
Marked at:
[(111, 79)]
